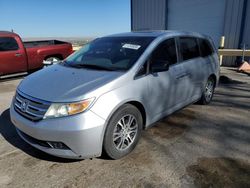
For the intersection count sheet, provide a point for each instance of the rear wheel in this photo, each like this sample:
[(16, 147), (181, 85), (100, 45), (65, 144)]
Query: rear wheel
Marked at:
[(208, 91), (50, 61), (123, 132)]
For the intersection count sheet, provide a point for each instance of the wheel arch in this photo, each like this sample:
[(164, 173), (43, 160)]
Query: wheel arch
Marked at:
[(54, 55), (213, 76), (142, 110), (135, 103)]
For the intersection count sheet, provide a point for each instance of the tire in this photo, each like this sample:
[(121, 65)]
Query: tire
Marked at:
[(208, 91), (121, 137), (53, 59)]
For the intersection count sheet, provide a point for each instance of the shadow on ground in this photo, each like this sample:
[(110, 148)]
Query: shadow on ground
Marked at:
[(172, 126), (227, 80), (220, 172), (12, 78), (8, 131), (234, 95)]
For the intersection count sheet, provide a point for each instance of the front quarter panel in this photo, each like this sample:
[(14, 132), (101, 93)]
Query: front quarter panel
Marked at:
[(134, 90)]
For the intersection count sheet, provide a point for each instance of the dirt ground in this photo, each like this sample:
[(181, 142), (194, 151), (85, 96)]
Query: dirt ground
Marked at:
[(199, 146)]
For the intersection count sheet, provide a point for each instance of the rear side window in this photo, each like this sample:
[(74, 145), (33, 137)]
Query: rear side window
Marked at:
[(189, 48), (206, 48), (8, 44), (166, 51)]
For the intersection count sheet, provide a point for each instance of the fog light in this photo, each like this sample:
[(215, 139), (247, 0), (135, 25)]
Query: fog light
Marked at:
[(58, 145)]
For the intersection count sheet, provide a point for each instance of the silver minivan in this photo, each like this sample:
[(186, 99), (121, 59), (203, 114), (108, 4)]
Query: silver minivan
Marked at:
[(101, 97)]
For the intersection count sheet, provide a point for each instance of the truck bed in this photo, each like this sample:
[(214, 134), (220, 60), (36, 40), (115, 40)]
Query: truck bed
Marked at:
[(31, 44), (29, 56)]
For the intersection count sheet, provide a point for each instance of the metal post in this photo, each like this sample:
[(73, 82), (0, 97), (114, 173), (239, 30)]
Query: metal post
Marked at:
[(243, 53), (222, 44)]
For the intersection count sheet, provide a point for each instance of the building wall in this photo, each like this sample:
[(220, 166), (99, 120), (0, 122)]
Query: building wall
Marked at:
[(232, 22), (232, 27), (195, 15), (246, 30), (213, 17), (148, 15)]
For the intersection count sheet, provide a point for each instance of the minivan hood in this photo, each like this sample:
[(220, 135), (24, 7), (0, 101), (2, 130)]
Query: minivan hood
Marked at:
[(65, 84)]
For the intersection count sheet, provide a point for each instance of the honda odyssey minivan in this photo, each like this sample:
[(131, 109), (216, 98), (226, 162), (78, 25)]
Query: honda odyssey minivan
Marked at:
[(101, 97)]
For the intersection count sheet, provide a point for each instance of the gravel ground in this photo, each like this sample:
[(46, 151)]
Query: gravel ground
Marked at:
[(199, 146)]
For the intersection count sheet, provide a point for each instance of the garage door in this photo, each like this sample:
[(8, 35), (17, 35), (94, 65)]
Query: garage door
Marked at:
[(204, 16)]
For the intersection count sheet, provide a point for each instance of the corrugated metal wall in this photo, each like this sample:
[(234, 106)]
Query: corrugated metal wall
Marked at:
[(148, 14), (232, 23), (227, 18), (246, 32), (232, 27), (195, 15)]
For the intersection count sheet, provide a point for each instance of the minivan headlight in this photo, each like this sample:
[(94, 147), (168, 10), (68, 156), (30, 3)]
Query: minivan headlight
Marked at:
[(67, 109)]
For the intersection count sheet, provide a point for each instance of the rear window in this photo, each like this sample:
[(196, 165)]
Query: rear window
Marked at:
[(8, 44), (206, 48), (189, 48)]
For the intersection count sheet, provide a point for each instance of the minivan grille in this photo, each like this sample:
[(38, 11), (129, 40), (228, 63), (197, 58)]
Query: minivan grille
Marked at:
[(29, 107)]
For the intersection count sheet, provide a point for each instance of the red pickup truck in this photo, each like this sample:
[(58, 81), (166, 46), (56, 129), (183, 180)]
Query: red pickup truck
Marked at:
[(17, 56)]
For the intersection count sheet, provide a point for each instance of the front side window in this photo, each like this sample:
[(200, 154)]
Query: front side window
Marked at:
[(164, 55), (110, 53), (8, 44), (166, 51), (189, 48)]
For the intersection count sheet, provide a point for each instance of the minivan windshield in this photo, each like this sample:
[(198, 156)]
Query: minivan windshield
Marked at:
[(109, 53)]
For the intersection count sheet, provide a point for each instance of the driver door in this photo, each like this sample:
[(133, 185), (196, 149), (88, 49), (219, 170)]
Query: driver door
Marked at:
[(12, 58), (162, 79), (167, 86)]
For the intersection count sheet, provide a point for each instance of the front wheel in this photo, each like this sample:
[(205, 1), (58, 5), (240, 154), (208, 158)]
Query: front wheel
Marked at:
[(123, 132), (208, 91)]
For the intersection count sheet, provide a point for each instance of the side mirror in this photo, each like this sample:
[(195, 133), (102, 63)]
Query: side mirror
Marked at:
[(159, 66)]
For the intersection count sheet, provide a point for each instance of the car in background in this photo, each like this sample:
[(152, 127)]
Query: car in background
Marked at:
[(105, 94), (17, 56)]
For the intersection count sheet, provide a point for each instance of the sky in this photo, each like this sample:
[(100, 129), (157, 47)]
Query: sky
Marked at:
[(65, 18)]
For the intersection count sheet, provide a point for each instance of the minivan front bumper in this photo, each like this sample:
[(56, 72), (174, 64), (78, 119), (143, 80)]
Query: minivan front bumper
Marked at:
[(82, 134)]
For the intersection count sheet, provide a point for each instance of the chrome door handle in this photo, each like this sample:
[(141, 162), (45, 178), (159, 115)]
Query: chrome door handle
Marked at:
[(18, 55)]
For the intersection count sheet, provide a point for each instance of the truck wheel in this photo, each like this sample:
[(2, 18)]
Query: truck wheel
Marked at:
[(51, 61), (123, 132), (208, 92)]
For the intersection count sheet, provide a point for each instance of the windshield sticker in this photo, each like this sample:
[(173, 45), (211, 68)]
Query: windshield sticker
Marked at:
[(131, 46)]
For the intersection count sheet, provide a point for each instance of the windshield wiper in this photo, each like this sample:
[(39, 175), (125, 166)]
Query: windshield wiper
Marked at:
[(89, 66)]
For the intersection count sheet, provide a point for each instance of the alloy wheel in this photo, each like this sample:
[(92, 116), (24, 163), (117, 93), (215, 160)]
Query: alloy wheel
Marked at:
[(125, 132), (209, 90)]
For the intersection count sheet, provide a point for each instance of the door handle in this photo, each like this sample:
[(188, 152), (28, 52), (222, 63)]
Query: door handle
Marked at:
[(182, 75), (18, 55)]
